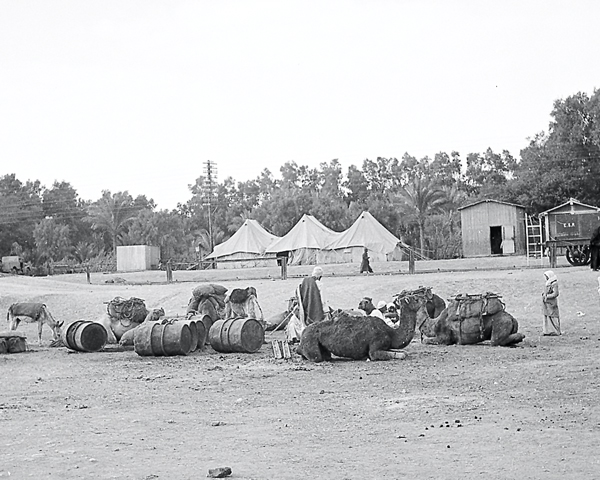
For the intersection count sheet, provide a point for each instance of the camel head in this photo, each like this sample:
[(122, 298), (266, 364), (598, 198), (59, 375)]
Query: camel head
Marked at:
[(412, 300), (366, 305)]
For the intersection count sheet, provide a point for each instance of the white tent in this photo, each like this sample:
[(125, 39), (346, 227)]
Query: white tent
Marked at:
[(365, 232), (245, 248), (304, 241)]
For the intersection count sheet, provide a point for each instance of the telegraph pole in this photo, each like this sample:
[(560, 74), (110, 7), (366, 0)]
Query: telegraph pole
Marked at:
[(210, 181)]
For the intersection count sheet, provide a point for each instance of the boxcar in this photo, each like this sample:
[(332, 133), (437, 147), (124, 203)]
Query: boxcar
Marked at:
[(569, 228)]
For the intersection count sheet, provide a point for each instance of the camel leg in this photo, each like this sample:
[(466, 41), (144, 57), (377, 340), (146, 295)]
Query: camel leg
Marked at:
[(105, 322), (430, 340), (505, 332), (511, 339), (387, 355), (310, 347)]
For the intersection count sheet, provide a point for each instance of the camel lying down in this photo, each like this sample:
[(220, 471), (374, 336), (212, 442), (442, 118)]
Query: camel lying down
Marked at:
[(501, 329), (360, 337)]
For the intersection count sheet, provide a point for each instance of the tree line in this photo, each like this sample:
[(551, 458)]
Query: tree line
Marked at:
[(416, 199)]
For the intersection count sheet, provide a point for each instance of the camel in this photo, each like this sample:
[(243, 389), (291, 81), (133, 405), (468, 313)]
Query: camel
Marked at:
[(123, 315), (127, 338), (360, 337), (453, 327)]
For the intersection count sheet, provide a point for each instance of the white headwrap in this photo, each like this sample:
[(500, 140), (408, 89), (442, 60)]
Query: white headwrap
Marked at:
[(550, 277), (317, 272)]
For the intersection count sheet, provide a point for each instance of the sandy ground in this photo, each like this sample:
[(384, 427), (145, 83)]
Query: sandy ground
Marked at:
[(527, 412)]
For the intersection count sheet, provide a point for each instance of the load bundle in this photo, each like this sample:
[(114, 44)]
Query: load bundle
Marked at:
[(207, 299), (469, 310), (476, 305), (127, 311)]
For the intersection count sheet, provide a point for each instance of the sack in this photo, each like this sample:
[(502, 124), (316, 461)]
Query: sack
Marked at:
[(16, 345), (239, 295), (208, 289)]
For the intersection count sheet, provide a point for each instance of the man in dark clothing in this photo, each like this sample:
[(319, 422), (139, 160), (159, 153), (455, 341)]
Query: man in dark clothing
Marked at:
[(595, 250), (310, 299), (365, 266)]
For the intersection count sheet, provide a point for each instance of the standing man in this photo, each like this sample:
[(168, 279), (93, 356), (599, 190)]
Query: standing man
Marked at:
[(595, 250), (311, 306), (310, 298)]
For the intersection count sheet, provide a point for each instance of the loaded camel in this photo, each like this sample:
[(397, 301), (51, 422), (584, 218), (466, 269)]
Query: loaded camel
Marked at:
[(470, 319), (123, 316), (360, 337)]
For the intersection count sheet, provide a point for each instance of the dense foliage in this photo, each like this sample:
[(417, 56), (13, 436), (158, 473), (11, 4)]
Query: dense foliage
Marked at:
[(416, 199)]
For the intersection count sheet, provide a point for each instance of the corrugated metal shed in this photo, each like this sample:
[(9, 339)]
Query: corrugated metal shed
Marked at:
[(493, 227), (132, 258)]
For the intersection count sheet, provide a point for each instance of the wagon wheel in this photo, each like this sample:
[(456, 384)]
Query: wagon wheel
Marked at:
[(578, 256)]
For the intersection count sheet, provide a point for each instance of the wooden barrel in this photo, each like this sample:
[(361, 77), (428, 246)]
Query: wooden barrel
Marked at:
[(158, 339), (85, 336), (244, 335)]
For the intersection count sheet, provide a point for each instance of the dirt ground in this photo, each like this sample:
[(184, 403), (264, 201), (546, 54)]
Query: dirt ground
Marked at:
[(528, 412)]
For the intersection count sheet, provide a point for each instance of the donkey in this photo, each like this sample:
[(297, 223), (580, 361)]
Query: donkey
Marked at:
[(33, 312)]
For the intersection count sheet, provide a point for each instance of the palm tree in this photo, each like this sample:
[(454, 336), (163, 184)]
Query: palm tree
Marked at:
[(111, 214), (83, 252), (420, 198)]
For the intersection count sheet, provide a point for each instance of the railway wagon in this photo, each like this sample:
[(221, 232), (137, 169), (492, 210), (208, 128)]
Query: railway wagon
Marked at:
[(569, 228)]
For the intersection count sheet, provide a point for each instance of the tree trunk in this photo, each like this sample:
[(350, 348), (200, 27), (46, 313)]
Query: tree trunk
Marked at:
[(422, 236)]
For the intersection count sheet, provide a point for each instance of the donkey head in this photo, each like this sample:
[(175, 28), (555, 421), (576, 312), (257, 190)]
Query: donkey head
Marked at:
[(57, 330)]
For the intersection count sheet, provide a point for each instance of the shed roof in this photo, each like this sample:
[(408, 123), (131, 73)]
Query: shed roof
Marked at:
[(489, 200), (571, 202)]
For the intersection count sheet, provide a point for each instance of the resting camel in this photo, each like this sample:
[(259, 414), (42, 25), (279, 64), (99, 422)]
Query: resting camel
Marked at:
[(360, 337), (451, 327)]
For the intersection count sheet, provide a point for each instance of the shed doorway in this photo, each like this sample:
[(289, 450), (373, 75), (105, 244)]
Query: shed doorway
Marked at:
[(496, 240)]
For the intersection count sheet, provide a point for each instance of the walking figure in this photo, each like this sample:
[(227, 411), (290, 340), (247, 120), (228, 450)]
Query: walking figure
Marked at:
[(365, 266)]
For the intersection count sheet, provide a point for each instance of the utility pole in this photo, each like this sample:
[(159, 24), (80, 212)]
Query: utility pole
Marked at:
[(210, 183)]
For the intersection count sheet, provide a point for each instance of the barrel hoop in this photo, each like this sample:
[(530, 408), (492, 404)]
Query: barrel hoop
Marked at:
[(162, 339)]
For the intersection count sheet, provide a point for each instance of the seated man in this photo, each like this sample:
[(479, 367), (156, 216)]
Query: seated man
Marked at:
[(366, 305)]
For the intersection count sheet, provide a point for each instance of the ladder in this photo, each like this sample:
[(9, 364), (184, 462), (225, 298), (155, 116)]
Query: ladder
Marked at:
[(535, 241)]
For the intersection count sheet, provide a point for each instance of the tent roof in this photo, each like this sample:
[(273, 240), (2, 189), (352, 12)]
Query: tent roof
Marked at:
[(366, 232), (307, 233), (251, 237)]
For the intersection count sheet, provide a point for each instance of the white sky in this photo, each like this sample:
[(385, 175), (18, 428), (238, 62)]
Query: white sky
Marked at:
[(136, 95)]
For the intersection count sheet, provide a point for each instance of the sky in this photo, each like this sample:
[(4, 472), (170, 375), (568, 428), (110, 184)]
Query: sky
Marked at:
[(137, 94)]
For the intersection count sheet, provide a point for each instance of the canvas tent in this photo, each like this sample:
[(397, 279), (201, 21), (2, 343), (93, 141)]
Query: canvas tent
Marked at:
[(245, 248), (365, 232), (304, 241)]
